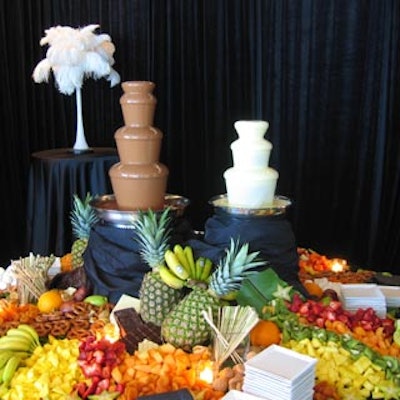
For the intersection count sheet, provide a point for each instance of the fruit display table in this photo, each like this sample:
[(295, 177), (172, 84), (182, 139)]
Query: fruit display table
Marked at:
[(195, 321)]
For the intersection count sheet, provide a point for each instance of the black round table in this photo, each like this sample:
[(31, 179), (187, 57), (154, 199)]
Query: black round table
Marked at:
[(55, 176)]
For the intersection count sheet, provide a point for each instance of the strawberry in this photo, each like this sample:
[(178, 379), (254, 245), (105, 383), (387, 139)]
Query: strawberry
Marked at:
[(304, 309), (90, 369), (99, 356), (330, 315), (102, 385), (320, 322), (296, 303), (344, 318), (335, 305)]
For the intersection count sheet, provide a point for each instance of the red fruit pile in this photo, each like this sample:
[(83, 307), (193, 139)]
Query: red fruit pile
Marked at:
[(97, 358), (318, 313)]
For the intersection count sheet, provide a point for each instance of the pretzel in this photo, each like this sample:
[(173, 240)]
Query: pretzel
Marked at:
[(80, 323), (60, 328), (55, 316), (10, 324), (80, 308), (78, 333), (97, 325), (41, 328)]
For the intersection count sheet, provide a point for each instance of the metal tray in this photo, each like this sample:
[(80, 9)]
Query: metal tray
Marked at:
[(278, 207), (107, 210)]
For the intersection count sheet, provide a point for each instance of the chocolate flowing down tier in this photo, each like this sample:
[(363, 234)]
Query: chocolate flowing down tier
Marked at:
[(139, 180)]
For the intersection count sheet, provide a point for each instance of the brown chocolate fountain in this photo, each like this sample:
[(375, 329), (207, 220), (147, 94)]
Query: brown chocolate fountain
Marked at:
[(139, 180)]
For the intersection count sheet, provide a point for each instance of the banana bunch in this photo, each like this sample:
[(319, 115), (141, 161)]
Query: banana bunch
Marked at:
[(16, 345), (181, 267)]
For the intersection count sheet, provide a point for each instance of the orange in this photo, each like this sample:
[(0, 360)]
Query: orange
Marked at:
[(313, 289), (49, 301), (66, 262), (265, 333)]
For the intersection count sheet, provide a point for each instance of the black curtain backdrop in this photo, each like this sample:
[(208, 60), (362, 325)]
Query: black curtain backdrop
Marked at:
[(324, 73)]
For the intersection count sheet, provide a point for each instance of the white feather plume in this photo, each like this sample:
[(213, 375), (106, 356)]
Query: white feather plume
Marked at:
[(76, 54)]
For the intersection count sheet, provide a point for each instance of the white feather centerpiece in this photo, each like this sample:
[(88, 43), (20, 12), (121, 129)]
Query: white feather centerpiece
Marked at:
[(73, 56)]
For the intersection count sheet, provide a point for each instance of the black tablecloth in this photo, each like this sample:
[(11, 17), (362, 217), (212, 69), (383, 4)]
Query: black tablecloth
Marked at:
[(114, 267), (55, 176)]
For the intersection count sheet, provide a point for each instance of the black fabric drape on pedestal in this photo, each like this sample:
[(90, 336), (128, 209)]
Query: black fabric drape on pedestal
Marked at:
[(323, 73)]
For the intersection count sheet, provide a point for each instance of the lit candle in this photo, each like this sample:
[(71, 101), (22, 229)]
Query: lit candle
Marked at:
[(109, 332), (337, 265), (206, 374)]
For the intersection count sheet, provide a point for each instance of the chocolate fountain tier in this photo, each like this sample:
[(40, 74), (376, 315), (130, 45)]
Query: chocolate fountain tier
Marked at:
[(109, 214)]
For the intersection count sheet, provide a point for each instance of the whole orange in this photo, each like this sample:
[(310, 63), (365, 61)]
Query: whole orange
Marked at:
[(49, 301), (313, 289), (265, 333)]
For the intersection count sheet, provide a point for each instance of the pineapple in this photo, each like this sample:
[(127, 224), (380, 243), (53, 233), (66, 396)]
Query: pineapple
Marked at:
[(83, 217), (156, 297), (185, 325)]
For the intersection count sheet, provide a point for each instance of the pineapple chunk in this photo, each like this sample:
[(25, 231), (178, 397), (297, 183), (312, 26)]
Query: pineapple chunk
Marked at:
[(362, 364)]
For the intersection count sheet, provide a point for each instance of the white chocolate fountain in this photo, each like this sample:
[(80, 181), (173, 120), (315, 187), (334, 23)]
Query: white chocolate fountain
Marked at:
[(251, 183)]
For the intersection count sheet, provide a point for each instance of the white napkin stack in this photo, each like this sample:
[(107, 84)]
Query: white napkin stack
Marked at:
[(392, 295), (355, 296), (280, 373)]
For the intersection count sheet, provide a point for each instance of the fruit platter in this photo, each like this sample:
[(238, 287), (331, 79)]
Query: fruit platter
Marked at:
[(193, 329)]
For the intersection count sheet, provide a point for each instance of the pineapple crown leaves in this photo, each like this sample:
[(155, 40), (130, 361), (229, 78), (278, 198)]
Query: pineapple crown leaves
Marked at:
[(153, 232), (83, 216), (232, 269)]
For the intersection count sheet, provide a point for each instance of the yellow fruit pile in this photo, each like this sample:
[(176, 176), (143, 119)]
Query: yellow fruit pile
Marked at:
[(50, 373)]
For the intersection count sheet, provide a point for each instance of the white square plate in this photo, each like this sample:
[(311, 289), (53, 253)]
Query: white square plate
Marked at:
[(283, 363), (238, 395)]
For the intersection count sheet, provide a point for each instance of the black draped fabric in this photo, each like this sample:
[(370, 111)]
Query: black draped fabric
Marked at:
[(324, 73), (112, 258), (112, 262), (271, 236), (114, 266)]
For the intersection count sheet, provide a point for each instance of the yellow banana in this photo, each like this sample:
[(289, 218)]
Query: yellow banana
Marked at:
[(180, 254), (14, 344), (189, 256), (10, 368), (206, 269), (200, 262), (175, 266), (4, 357), (32, 331), (169, 278), (21, 334)]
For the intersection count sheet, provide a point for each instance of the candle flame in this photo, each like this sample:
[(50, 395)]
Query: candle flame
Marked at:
[(338, 265), (108, 332), (206, 375)]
